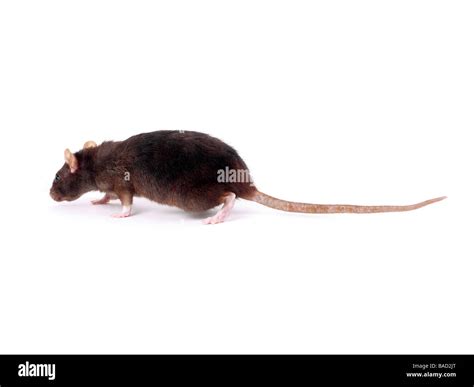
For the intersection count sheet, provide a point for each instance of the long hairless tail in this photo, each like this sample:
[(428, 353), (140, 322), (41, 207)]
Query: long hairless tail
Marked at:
[(284, 205)]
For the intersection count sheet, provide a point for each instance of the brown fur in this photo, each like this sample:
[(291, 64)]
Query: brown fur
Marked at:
[(169, 167)]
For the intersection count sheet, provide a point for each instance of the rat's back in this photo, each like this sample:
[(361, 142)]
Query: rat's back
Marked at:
[(182, 168)]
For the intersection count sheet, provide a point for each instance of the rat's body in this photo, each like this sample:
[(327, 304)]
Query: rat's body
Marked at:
[(189, 170)]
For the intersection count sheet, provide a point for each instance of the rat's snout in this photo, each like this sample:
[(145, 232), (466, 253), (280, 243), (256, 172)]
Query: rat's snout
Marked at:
[(55, 196)]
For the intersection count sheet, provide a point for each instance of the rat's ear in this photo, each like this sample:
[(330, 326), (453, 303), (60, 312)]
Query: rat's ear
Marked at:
[(71, 160), (89, 144)]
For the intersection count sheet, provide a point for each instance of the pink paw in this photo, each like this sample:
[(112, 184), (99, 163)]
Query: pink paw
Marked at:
[(122, 215), (99, 201), (218, 218), (208, 221)]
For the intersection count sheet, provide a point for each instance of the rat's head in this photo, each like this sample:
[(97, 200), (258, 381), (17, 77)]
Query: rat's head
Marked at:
[(75, 178)]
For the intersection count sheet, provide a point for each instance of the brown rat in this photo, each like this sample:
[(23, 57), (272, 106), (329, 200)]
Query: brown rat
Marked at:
[(189, 170)]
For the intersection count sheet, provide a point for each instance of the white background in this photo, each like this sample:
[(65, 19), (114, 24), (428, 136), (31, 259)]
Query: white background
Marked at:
[(367, 102)]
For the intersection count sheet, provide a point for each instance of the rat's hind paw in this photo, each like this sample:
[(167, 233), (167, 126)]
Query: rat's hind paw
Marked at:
[(212, 220), (224, 212)]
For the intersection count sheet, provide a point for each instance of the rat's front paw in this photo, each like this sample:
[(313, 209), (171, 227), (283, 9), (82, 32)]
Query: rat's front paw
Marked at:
[(103, 200), (122, 215), (99, 201)]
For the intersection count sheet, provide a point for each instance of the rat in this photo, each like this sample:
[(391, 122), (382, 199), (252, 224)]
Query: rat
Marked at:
[(185, 169)]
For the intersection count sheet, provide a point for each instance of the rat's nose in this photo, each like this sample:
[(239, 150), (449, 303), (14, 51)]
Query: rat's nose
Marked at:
[(54, 196)]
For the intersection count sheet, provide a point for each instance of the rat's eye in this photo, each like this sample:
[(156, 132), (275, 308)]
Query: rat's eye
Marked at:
[(57, 178)]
